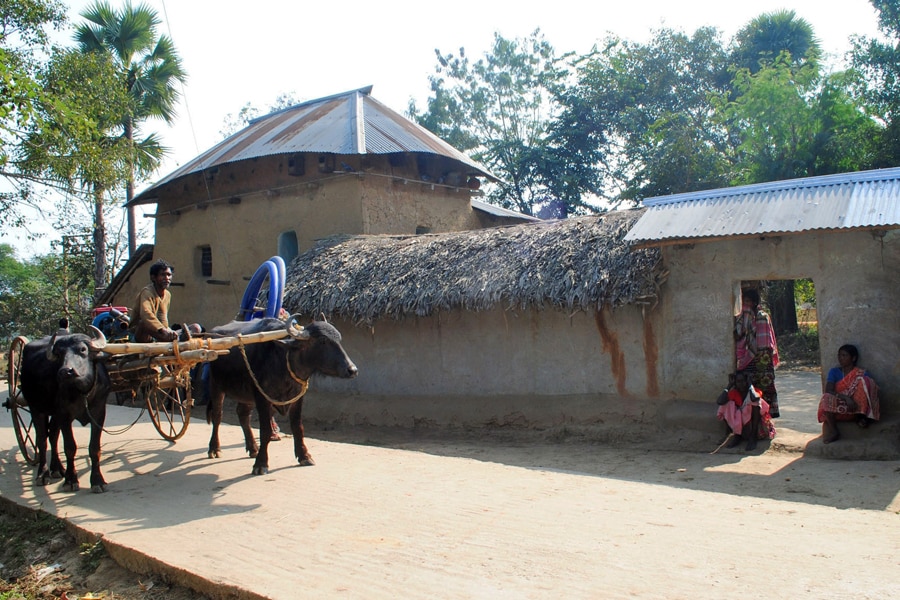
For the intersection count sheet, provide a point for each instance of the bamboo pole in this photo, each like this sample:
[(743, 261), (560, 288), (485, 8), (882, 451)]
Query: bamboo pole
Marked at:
[(224, 343), (189, 358)]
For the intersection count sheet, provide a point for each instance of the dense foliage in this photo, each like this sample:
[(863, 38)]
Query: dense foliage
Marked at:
[(36, 293), (679, 113), (23, 42)]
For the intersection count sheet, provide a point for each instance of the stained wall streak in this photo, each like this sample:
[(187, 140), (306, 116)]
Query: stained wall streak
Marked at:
[(651, 359), (611, 346)]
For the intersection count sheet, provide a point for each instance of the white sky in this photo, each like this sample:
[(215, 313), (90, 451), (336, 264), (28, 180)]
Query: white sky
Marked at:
[(238, 51)]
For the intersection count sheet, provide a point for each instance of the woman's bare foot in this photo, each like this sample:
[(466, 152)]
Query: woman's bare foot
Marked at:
[(830, 434), (751, 444)]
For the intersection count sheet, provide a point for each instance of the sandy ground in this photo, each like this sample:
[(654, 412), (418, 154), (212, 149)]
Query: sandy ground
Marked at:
[(488, 517)]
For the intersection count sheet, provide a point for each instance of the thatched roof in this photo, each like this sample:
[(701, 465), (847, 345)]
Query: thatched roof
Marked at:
[(573, 264)]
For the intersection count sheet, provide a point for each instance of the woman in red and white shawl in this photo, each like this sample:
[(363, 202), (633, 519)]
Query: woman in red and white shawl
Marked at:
[(850, 395), (745, 412), (755, 347)]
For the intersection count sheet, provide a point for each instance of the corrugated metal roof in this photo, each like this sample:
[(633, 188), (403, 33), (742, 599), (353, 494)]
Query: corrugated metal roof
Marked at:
[(865, 199), (348, 123), (499, 211)]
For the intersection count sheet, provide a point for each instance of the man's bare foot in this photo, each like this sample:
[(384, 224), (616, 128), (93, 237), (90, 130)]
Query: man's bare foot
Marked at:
[(751, 444), (831, 436), (735, 440)]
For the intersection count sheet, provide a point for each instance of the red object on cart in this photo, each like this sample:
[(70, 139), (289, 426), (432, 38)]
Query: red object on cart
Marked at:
[(106, 308)]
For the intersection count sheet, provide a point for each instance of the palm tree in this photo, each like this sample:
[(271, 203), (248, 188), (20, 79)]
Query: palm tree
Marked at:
[(150, 69), (765, 37)]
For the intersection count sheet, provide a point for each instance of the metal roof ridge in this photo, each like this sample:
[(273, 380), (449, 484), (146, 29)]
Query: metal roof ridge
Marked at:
[(357, 124), (365, 91), (783, 184)]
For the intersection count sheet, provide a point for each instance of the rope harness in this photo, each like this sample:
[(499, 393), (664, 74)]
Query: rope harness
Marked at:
[(304, 383), (87, 409)]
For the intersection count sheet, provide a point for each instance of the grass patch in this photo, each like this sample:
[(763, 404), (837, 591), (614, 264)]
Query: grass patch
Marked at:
[(18, 535)]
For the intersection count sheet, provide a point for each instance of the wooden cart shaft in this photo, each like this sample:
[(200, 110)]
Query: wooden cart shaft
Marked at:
[(173, 348), (129, 364)]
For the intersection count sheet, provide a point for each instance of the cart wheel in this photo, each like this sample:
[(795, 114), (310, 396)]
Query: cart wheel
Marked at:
[(169, 401), (21, 414)]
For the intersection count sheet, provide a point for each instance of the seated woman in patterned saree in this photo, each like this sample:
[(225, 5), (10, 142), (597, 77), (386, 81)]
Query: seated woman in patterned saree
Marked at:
[(745, 412), (850, 395)]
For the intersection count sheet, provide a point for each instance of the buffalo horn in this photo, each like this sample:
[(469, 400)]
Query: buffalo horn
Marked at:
[(50, 347), (322, 317), (98, 340), (296, 331)]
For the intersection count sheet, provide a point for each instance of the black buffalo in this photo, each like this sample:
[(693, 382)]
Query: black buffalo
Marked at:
[(62, 380), (278, 373)]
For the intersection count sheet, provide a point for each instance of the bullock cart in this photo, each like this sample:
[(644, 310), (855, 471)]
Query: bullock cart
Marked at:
[(157, 374)]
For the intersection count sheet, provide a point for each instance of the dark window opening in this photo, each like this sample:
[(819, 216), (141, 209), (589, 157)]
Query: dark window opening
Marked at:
[(206, 265)]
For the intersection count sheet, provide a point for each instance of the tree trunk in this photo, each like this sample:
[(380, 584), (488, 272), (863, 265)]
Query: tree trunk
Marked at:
[(132, 222), (99, 241), (129, 190), (782, 306)]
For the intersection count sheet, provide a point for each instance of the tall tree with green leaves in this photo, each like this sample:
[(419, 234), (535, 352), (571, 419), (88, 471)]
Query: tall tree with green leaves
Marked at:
[(775, 122), (497, 108), (877, 61), (646, 106), (767, 37), (149, 68), (24, 39), (792, 122), (77, 142)]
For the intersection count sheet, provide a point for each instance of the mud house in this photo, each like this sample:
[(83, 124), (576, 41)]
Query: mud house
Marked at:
[(615, 320), (341, 164)]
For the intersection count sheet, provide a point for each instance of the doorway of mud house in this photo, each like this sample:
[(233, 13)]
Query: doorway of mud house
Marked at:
[(791, 304)]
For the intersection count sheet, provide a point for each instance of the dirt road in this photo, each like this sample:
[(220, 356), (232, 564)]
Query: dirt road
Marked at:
[(485, 518)]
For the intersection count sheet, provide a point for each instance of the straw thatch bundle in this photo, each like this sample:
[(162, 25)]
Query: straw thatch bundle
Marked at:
[(578, 263)]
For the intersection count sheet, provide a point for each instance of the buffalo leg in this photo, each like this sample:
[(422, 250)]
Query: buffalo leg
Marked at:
[(71, 447), (264, 410), (296, 423), (244, 411), (98, 484), (42, 473), (56, 466), (214, 416)]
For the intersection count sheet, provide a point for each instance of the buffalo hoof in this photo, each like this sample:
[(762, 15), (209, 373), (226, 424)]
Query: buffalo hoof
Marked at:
[(98, 489), (306, 462), (260, 471), (56, 474), (42, 479), (71, 486), (215, 454)]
